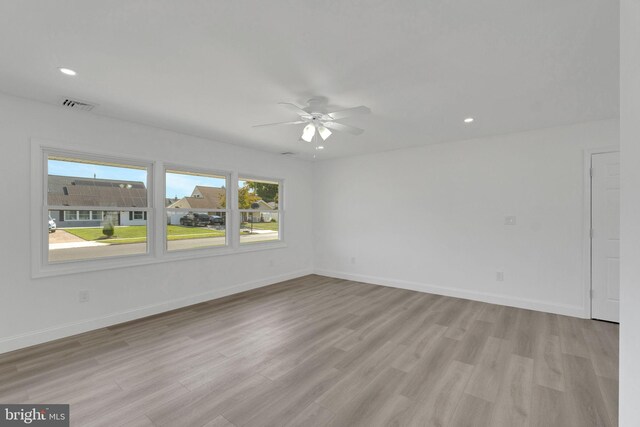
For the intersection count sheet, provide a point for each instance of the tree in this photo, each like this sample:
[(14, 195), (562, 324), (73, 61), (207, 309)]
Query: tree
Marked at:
[(245, 198), (264, 190), (108, 227)]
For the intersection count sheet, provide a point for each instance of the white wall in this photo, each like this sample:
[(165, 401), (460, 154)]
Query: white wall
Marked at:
[(630, 213), (36, 310), (432, 218)]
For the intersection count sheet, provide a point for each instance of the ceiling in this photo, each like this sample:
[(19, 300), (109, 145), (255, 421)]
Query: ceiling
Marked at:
[(215, 68)]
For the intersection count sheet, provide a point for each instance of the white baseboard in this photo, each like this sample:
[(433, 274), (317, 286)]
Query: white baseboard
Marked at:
[(62, 331), (567, 310)]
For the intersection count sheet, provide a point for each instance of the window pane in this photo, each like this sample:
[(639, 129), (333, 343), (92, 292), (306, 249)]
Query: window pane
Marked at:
[(193, 201), (259, 227), (84, 216), (70, 216), (95, 238), (191, 230), (195, 191), (258, 195), (75, 182)]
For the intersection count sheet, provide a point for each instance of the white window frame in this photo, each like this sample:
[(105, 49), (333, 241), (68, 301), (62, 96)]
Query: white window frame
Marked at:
[(67, 218), (77, 216), (132, 216), (279, 211), (41, 266), (178, 169), (156, 217)]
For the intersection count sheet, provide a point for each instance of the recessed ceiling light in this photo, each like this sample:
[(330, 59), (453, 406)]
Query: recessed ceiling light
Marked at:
[(320, 147), (67, 71), (468, 120)]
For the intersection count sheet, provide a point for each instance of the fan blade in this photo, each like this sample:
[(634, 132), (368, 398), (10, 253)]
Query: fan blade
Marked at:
[(324, 132), (308, 132), (280, 123), (349, 112), (343, 128), (293, 107)]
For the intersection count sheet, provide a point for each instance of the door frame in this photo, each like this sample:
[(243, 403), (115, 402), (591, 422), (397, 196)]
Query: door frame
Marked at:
[(586, 224)]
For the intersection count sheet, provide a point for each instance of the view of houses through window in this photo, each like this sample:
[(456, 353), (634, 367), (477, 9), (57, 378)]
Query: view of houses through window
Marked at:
[(99, 209), (258, 206), (95, 209), (195, 210)]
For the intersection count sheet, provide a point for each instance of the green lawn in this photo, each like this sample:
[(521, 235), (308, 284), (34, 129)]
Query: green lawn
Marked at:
[(138, 233), (273, 226)]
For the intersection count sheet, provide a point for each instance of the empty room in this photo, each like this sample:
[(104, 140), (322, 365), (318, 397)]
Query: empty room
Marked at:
[(292, 213)]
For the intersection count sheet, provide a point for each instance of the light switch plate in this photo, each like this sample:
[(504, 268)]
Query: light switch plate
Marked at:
[(509, 220)]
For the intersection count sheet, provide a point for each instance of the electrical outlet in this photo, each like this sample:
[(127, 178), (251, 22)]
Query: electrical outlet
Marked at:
[(500, 276), (509, 220), (83, 296)]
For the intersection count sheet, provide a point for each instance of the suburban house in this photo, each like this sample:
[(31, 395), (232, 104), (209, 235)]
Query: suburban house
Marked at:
[(202, 198), (108, 193), (212, 198)]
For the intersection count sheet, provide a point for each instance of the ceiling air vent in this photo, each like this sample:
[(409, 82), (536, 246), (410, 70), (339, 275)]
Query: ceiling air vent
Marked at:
[(76, 104), (288, 153)]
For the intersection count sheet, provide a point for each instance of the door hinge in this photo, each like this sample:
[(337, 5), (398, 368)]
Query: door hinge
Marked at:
[(591, 172)]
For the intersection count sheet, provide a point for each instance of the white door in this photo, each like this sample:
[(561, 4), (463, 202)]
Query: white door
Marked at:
[(605, 238)]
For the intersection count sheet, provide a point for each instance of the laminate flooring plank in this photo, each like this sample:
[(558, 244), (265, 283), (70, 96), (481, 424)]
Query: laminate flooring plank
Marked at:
[(609, 388), (548, 408), (473, 342), (571, 337), (585, 402), (439, 406), (352, 382), (487, 377), (505, 326), (472, 412), (602, 352), (547, 367), (313, 415), (513, 404), (375, 404), (219, 422), (430, 368)]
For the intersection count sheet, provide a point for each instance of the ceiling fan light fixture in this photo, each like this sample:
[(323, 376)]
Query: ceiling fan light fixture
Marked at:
[(67, 71), (308, 132), (324, 132)]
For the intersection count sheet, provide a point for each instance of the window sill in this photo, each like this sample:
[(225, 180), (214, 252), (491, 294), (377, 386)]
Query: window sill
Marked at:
[(64, 269)]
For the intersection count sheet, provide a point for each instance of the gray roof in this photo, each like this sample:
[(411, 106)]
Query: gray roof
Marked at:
[(77, 191)]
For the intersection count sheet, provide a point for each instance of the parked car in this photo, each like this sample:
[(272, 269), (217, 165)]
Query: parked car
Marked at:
[(216, 220), (52, 225), (195, 219)]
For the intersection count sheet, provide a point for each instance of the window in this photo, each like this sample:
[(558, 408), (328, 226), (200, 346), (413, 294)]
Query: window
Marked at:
[(83, 215), (258, 207), (137, 215), (195, 210), (96, 212), (89, 200)]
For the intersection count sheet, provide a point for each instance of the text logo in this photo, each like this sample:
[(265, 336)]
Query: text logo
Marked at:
[(40, 415)]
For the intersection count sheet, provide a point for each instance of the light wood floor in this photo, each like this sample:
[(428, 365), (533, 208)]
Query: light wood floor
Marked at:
[(317, 351)]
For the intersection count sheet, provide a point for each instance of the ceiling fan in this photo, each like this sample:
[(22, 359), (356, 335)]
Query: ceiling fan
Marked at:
[(320, 122)]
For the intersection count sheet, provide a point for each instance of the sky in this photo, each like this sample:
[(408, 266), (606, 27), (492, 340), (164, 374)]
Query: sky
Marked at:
[(178, 185)]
